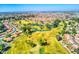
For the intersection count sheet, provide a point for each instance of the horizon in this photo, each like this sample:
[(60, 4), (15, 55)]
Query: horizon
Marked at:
[(38, 7), (35, 11)]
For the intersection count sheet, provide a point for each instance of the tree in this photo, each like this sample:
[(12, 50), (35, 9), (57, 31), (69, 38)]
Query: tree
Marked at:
[(56, 23), (77, 50), (27, 29), (75, 18), (2, 28)]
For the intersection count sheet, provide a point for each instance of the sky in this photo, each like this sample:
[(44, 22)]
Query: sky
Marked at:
[(38, 7)]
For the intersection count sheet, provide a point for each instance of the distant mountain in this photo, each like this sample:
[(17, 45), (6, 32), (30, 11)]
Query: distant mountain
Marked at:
[(31, 12)]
